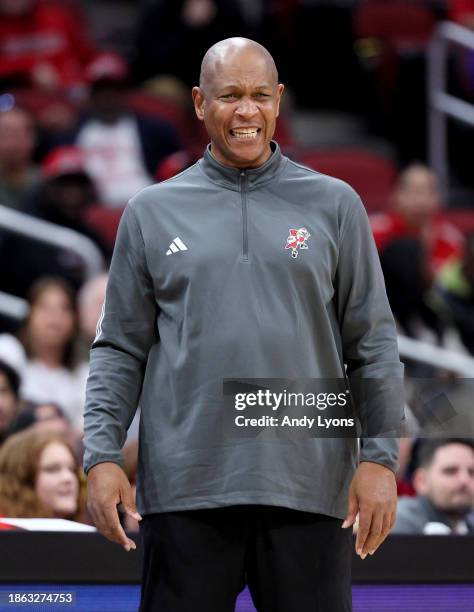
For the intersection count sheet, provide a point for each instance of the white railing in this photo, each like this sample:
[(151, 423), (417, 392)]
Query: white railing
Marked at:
[(441, 104), (12, 306), (54, 235), (438, 357), (50, 233)]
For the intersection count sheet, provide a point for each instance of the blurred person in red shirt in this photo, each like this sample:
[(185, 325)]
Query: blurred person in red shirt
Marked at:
[(42, 45), (18, 173), (415, 204), (413, 244)]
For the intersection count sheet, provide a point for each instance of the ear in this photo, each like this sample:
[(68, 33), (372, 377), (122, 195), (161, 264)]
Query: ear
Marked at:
[(420, 483), (280, 90), (199, 102)]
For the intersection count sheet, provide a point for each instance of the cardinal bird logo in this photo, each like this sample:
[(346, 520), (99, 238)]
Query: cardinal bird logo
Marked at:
[(298, 239)]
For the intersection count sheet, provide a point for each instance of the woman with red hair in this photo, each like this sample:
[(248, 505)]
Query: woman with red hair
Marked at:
[(40, 477)]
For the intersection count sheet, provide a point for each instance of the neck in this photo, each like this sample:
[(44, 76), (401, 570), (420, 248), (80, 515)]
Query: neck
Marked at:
[(241, 166), (50, 356)]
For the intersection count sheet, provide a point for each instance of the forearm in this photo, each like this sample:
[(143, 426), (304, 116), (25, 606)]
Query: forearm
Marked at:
[(113, 391)]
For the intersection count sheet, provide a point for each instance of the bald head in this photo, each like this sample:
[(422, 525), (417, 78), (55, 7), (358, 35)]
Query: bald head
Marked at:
[(238, 99), (225, 52)]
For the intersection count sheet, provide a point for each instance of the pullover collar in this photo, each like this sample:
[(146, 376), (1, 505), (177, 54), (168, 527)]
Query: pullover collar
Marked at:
[(230, 178)]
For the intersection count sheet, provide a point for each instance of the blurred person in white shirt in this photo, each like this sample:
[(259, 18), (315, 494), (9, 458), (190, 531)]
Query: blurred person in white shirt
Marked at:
[(51, 371), (444, 483)]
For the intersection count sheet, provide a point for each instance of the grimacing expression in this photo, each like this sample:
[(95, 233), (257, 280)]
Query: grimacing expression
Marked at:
[(449, 480), (57, 485), (239, 105)]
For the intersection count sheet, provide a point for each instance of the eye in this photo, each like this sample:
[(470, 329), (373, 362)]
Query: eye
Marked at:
[(260, 94), (227, 96)]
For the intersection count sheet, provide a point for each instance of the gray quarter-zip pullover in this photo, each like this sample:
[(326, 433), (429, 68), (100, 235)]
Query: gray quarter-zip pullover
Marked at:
[(207, 283)]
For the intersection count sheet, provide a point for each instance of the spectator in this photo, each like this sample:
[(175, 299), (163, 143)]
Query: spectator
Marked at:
[(62, 198), (52, 372), (413, 245), (42, 45), (9, 398), (43, 417), (455, 288), (122, 148), (18, 174), (66, 193), (444, 483), (174, 34), (40, 478)]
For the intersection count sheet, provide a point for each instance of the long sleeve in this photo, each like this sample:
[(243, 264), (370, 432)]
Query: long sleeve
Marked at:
[(125, 334), (369, 340)]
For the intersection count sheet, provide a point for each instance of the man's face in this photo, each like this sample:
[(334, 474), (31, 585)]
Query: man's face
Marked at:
[(108, 99), (70, 195), (239, 105), (417, 197), (16, 139), (449, 480)]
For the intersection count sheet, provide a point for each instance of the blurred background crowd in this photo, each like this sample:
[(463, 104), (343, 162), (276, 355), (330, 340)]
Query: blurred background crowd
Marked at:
[(95, 104)]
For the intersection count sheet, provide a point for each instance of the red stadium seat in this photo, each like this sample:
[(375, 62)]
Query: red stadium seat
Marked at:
[(104, 221), (387, 30), (461, 218), (405, 24), (369, 173)]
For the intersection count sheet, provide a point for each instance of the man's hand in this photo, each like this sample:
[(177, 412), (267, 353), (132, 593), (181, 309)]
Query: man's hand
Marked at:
[(372, 494), (108, 486)]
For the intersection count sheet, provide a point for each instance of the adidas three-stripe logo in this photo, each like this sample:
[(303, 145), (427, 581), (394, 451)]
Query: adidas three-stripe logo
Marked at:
[(176, 245)]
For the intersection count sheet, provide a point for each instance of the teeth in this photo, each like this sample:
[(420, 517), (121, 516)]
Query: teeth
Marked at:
[(245, 132)]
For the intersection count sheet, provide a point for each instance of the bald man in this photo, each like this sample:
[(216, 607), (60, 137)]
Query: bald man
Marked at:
[(244, 266)]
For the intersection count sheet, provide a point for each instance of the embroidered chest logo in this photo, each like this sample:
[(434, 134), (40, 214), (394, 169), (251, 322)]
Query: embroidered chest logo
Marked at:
[(298, 239)]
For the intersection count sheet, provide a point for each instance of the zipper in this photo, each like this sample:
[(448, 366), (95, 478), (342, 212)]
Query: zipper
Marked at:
[(245, 237)]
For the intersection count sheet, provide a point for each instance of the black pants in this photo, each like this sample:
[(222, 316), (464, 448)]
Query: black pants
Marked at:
[(200, 560)]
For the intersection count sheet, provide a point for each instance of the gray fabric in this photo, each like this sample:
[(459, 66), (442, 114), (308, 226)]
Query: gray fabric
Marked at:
[(413, 513), (237, 305)]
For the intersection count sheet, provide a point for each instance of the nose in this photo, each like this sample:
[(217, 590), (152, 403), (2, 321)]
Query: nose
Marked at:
[(246, 108), (67, 475), (466, 480)]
